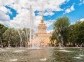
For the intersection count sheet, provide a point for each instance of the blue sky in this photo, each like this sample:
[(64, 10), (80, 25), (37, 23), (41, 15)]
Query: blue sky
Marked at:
[(13, 12), (74, 9), (74, 15)]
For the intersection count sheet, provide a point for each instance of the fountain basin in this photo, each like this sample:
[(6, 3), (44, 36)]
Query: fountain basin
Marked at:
[(47, 54)]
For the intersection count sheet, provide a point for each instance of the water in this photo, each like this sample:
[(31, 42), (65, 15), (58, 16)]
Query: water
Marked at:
[(48, 54)]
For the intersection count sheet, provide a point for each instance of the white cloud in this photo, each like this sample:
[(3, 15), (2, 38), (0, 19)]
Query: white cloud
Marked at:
[(82, 19), (81, 2), (48, 12), (21, 20), (68, 10), (73, 22), (4, 19), (22, 7), (54, 5), (72, 7), (49, 23), (3, 16), (7, 2), (2, 8)]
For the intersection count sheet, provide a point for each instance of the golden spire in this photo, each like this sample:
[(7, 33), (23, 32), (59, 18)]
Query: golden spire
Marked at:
[(42, 20)]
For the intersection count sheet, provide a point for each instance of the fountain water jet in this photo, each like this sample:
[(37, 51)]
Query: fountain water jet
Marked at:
[(20, 38), (43, 59), (81, 51), (13, 60), (61, 43)]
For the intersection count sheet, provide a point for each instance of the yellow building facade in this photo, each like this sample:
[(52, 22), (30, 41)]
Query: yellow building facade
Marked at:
[(42, 38)]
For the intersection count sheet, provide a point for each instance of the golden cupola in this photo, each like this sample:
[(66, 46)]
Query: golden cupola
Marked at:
[(42, 27)]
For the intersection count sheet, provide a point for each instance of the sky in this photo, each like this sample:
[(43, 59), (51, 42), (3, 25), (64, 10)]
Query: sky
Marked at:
[(18, 13)]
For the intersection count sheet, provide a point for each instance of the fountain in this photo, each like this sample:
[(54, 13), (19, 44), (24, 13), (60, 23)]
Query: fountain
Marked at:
[(61, 46), (13, 60), (61, 41), (80, 54), (62, 49), (20, 38), (35, 38), (36, 53), (81, 51), (2, 50), (19, 51), (43, 59), (32, 43)]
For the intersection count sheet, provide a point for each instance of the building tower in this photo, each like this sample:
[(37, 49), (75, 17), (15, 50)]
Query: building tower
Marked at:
[(42, 38), (42, 35)]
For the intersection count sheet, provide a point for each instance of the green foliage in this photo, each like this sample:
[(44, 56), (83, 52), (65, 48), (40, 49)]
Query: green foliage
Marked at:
[(60, 30), (2, 30), (76, 35), (61, 23), (15, 37), (70, 34), (11, 37), (63, 33)]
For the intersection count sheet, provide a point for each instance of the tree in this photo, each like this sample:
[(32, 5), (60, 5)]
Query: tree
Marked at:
[(81, 31), (2, 30), (11, 37), (76, 36), (60, 30)]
